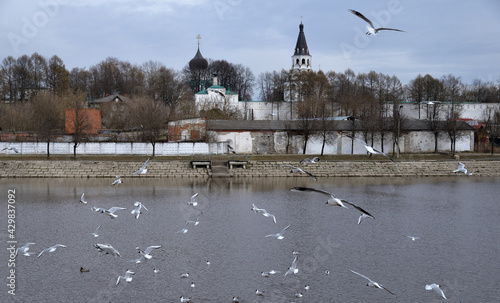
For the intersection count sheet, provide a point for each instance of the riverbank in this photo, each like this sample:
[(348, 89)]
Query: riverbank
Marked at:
[(263, 166)]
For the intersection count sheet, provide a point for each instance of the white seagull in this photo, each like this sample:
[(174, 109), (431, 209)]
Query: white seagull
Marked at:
[(147, 251), (110, 212), (436, 288), (108, 249), (12, 148), (24, 250), (95, 233), (299, 170), (307, 161), (185, 299), (370, 27), (363, 216), (264, 212), (143, 169), (412, 237), (197, 220), (51, 249), (127, 277), (193, 201), (185, 275), (118, 181), (372, 150), (138, 260), (259, 292), (137, 210), (293, 268), (185, 229), (373, 283), (279, 235), (334, 201), (461, 169), (82, 199)]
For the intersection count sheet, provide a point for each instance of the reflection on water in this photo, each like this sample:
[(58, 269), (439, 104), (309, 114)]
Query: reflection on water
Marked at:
[(455, 218)]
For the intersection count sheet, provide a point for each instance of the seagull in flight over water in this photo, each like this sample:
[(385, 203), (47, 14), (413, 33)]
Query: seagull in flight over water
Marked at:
[(118, 181), (333, 200), (51, 249), (309, 161), (370, 27), (24, 250), (263, 212), (193, 201), (461, 169), (373, 283), (299, 170), (293, 268), (96, 232), (147, 252), (436, 288), (110, 212), (127, 277), (279, 235), (143, 169), (372, 150), (108, 249), (137, 211), (82, 199)]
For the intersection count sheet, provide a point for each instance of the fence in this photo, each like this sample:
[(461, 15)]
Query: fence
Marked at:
[(115, 148)]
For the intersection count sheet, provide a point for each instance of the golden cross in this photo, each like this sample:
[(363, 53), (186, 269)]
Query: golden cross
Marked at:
[(300, 19), (198, 38)]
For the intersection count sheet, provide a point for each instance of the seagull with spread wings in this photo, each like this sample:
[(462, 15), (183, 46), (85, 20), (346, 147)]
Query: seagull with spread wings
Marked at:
[(372, 283), (143, 169), (299, 170), (370, 149), (370, 27), (333, 200)]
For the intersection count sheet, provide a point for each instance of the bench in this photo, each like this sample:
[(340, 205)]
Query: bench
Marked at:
[(195, 164), (233, 163)]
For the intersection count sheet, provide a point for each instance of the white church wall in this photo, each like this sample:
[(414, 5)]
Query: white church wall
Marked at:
[(242, 142)]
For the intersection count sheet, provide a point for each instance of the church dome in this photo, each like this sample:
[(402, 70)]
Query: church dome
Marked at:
[(198, 62)]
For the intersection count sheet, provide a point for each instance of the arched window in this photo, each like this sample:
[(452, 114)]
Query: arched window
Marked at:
[(297, 61), (303, 61)]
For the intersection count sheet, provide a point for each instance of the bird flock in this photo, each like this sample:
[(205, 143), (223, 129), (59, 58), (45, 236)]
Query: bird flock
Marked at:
[(147, 253)]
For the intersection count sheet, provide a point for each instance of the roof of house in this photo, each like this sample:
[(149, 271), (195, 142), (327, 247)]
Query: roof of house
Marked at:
[(109, 98), (342, 125)]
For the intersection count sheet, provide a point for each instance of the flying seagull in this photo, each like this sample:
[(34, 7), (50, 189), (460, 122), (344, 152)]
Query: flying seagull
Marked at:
[(137, 210), (293, 268), (197, 220), (24, 250), (370, 27), (307, 161), (193, 201), (436, 288), (363, 216), (299, 170), (279, 235), (264, 212), (82, 199), (333, 200), (11, 148), (147, 252), (373, 283), (96, 232), (143, 169), (371, 150), (51, 249), (461, 169), (127, 277), (412, 238), (118, 181), (110, 212), (108, 249)]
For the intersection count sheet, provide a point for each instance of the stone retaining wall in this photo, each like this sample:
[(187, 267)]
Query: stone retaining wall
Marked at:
[(176, 169)]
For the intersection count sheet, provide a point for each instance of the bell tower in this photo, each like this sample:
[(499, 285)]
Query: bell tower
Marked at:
[(301, 59)]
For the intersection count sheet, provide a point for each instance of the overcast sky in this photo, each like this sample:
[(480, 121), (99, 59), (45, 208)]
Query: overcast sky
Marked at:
[(442, 37)]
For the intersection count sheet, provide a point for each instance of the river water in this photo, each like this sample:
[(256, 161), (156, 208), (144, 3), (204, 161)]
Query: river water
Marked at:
[(456, 220)]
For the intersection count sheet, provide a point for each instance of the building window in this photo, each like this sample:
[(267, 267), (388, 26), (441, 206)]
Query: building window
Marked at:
[(303, 61)]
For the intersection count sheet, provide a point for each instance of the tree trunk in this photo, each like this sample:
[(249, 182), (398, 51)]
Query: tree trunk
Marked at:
[(48, 148), (74, 149), (436, 142)]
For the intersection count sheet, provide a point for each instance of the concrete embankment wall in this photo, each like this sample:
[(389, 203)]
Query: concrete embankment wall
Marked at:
[(177, 168)]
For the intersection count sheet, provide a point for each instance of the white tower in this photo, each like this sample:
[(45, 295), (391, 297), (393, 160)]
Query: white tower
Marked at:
[(301, 59)]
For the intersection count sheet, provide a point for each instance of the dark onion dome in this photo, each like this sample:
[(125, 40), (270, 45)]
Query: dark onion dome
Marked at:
[(198, 62)]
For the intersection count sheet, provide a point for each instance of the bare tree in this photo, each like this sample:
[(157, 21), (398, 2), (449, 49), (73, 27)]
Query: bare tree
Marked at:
[(493, 127), (151, 118), (78, 122), (451, 125), (47, 117), (433, 122)]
